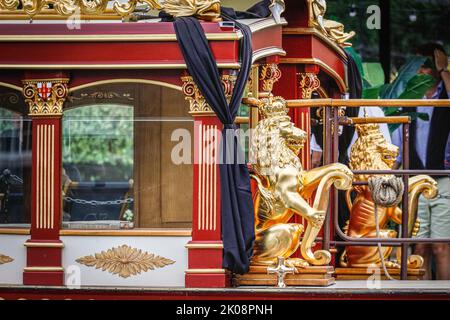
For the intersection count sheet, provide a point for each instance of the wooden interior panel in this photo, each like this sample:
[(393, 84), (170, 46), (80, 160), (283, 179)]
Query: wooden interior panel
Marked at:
[(147, 164), (176, 180)]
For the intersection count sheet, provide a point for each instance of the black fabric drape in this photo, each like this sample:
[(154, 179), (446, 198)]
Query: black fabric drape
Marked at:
[(259, 10), (238, 221), (355, 92), (238, 231)]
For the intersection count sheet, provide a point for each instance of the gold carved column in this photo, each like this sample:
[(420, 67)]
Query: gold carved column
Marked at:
[(45, 98)]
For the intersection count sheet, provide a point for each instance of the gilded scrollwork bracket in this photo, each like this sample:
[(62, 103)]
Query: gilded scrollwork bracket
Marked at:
[(45, 97), (270, 74), (197, 102), (308, 83)]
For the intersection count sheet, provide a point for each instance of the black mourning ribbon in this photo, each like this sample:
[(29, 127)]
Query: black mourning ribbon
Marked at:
[(237, 213), (236, 199)]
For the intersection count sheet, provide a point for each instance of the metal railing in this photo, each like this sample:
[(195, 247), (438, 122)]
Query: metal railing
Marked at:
[(331, 139)]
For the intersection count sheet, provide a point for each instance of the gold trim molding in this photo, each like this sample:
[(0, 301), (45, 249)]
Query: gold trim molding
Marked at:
[(125, 261), (131, 66), (111, 38), (5, 259), (204, 246), (196, 271), (14, 231), (43, 245), (315, 32), (10, 86), (320, 63), (45, 269), (45, 97), (129, 233), (266, 52)]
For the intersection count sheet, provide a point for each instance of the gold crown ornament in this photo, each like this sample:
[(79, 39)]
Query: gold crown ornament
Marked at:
[(273, 107)]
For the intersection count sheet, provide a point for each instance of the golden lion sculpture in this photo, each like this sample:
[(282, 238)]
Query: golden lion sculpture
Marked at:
[(284, 189), (371, 151)]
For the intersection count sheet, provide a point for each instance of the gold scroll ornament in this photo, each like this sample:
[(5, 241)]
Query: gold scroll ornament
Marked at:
[(203, 9), (331, 29), (207, 10)]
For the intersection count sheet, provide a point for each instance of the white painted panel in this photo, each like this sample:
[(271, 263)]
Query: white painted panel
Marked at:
[(12, 246), (172, 248)]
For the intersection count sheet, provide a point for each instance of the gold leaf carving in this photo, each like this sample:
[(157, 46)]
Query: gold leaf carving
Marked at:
[(125, 261), (197, 103), (208, 10), (5, 259), (45, 98)]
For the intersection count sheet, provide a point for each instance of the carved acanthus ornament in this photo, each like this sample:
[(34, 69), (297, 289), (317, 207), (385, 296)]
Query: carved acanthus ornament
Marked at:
[(270, 73), (5, 259), (197, 102), (45, 97), (308, 83), (331, 29), (125, 261), (208, 10)]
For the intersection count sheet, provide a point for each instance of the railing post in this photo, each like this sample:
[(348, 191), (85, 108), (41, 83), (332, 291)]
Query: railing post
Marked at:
[(405, 207)]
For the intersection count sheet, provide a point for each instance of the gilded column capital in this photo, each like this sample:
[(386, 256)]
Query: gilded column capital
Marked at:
[(270, 74), (45, 97), (308, 83), (197, 102)]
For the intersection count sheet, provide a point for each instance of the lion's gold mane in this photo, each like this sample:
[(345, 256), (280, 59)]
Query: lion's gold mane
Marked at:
[(367, 152), (269, 148)]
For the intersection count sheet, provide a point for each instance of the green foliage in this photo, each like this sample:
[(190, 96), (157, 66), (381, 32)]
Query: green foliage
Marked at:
[(374, 73), (431, 25), (7, 119), (371, 92), (407, 85), (99, 136), (405, 74), (416, 88)]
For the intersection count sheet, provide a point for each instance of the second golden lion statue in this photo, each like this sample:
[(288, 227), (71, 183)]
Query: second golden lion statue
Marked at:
[(371, 151), (284, 189)]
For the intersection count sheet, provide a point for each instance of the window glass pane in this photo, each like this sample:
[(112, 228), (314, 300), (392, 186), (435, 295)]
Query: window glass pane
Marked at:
[(119, 142), (15, 169), (97, 163)]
